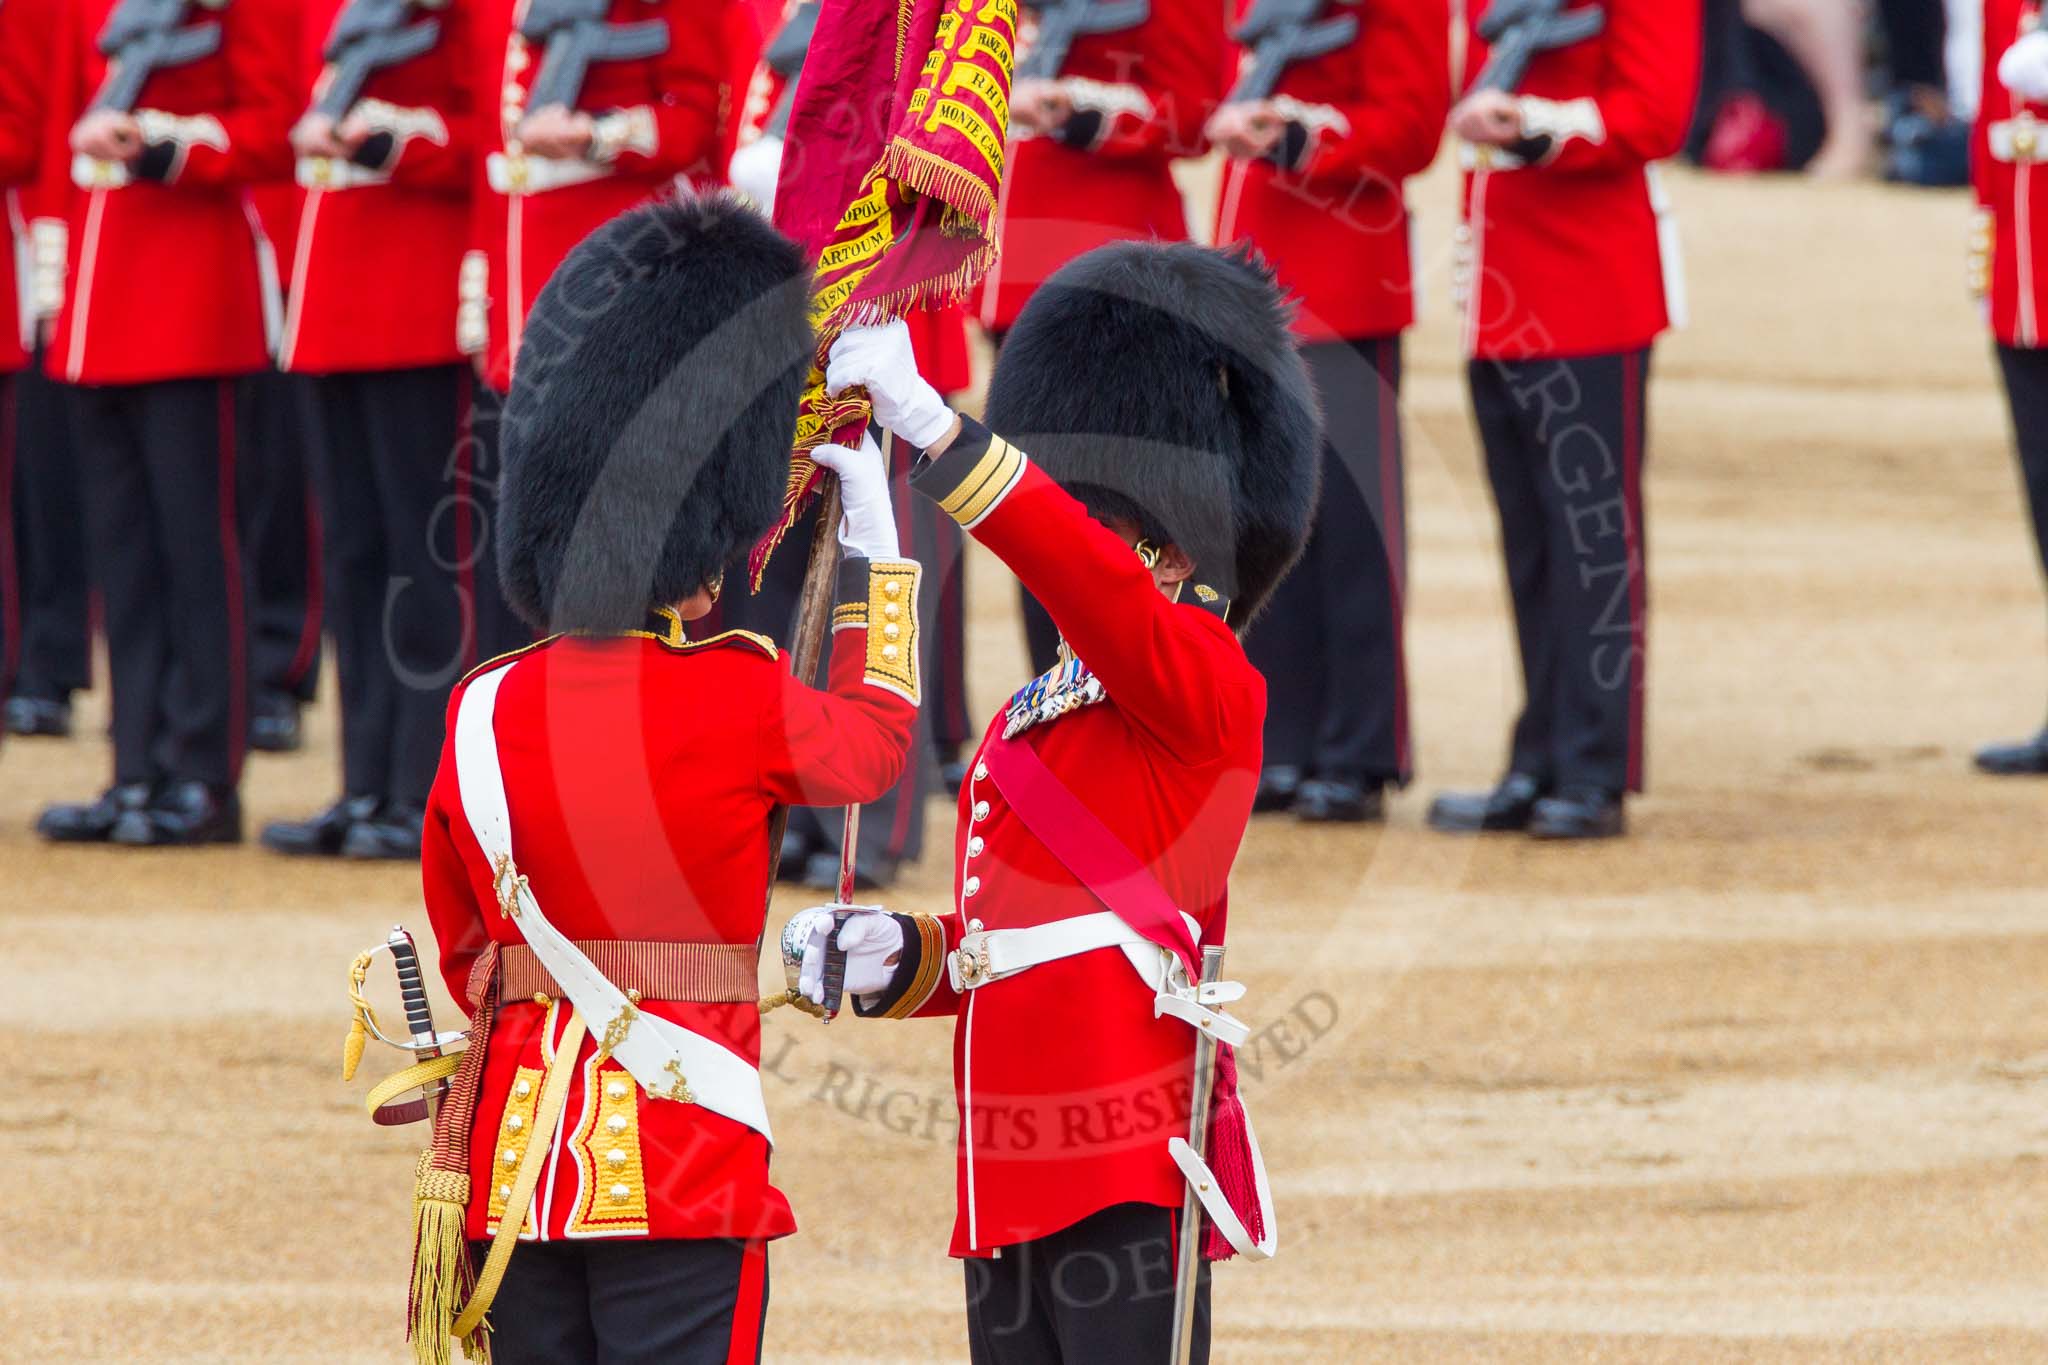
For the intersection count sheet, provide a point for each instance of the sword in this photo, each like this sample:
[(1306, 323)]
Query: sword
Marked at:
[(1188, 1260), (422, 1041)]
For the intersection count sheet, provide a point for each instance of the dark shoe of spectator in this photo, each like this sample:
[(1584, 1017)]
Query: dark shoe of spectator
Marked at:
[(391, 835), (38, 716), (1279, 784), (1925, 143), (92, 822), (1578, 813), (319, 836), (1507, 807), (1340, 801), (822, 873), (797, 848), (2026, 758), (274, 723), (183, 814)]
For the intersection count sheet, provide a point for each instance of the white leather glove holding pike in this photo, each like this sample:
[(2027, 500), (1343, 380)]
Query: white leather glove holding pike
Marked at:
[(867, 525), (880, 359)]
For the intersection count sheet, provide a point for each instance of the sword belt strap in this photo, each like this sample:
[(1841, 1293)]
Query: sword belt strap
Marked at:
[(702, 973), (554, 1094)]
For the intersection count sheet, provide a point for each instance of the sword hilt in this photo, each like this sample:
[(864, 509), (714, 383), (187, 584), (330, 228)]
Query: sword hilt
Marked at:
[(412, 989)]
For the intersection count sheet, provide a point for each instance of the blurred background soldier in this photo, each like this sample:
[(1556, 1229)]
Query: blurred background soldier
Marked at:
[(1571, 273), (892, 828), (1335, 106), (2012, 142), (1108, 96), (25, 51), (385, 152), (163, 312)]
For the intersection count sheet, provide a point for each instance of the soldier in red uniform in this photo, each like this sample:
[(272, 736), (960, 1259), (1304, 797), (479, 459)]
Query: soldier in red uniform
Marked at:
[(2010, 145), (164, 311), (1148, 517), (385, 158), (1320, 147), (892, 829), (1571, 274), (1106, 99), (633, 769)]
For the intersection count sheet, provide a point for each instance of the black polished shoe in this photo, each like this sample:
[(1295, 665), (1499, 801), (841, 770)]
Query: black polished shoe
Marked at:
[(1578, 813), (821, 873), (183, 815), (1339, 801), (1279, 784), (1507, 807), (2027, 758), (92, 822), (391, 835), (318, 836), (38, 716), (274, 723)]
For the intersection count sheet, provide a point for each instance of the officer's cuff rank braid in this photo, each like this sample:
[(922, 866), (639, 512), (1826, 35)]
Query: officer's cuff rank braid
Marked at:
[(892, 627), (850, 594), (972, 476), (917, 972)]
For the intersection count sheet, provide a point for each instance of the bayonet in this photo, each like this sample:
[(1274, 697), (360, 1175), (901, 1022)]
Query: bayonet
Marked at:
[(1062, 21), (1516, 31), (1281, 33)]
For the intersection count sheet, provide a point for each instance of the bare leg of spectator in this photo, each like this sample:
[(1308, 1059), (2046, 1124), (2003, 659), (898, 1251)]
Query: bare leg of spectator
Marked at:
[(1826, 38)]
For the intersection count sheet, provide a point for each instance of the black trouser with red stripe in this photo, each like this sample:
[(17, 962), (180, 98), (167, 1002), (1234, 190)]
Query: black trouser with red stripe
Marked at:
[(1099, 1291), (54, 645), (159, 465), (280, 537), (634, 1301), (384, 443), (1329, 641), (1563, 441)]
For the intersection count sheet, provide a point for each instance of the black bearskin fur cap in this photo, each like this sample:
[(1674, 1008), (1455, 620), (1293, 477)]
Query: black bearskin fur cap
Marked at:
[(647, 435), (1159, 383)]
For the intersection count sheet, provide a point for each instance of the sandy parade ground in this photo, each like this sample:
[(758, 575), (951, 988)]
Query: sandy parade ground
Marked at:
[(1768, 1081)]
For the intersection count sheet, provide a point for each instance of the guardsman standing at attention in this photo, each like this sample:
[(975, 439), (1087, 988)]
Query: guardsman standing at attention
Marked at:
[(172, 111), (2011, 143), (384, 158), (1332, 111), (1109, 94), (1162, 481), (1571, 272), (596, 852), (582, 118)]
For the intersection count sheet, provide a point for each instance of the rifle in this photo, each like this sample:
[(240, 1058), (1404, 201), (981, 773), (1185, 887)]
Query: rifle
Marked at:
[(143, 37), (785, 57), (574, 35), (369, 35), (1062, 21), (1515, 31), (1280, 33)]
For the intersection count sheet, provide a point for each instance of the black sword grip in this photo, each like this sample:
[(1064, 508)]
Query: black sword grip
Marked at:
[(412, 989), (835, 967)]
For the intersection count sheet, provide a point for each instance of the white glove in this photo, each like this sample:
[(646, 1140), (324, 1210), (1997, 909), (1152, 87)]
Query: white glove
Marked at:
[(2024, 67), (880, 360), (867, 524), (873, 941), (754, 171)]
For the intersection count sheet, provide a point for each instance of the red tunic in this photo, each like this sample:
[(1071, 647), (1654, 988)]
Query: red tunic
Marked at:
[(2007, 146), (27, 41), (1159, 81), (163, 278), (373, 278), (1565, 255), (640, 774), (678, 97), (1336, 227), (1068, 1086)]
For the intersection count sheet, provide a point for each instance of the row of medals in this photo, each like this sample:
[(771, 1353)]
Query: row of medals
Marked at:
[(1066, 686)]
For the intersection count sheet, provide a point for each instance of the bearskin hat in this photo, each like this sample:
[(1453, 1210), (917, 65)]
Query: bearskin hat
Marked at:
[(1159, 383), (647, 435)]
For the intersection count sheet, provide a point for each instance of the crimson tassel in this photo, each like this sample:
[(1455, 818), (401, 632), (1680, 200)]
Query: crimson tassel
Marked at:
[(1230, 1157)]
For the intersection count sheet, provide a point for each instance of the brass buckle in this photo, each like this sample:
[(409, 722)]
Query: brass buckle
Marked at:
[(973, 964)]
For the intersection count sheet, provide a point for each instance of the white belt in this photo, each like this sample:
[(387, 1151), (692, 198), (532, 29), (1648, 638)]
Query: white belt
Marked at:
[(989, 955), (524, 174), (2018, 140), (332, 173)]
